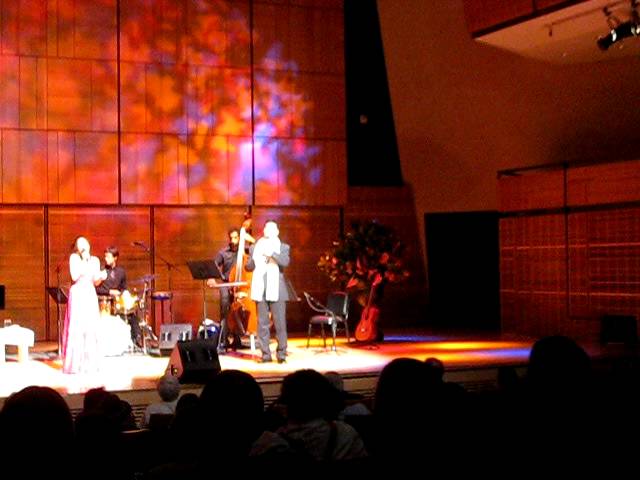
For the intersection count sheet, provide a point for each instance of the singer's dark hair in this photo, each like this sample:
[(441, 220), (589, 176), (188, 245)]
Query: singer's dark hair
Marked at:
[(74, 245), (113, 251)]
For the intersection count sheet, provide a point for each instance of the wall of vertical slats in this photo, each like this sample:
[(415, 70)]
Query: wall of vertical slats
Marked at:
[(570, 248)]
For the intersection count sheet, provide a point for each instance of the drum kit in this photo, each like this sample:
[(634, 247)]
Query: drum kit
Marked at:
[(118, 309), (119, 305)]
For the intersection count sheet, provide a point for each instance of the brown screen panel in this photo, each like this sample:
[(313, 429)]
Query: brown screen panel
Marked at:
[(9, 91), (132, 94), (312, 116), (94, 27), (317, 39), (22, 267), (164, 98), (327, 172), (104, 95), (9, 36), (218, 100), (24, 166), (208, 169), (32, 30), (240, 170), (273, 43), (96, 170), (275, 101), (32, 97), (154, 169), (267, 173), (300, 172), (68, 94), (61, 163)]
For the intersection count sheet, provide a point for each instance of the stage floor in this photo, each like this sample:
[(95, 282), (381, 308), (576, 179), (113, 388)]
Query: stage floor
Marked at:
[(357, 362)]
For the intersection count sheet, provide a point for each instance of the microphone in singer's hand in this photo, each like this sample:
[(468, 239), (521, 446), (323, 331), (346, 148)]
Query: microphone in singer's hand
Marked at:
[(137, 243)]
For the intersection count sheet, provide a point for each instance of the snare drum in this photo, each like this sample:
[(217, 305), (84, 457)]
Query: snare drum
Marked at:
[(106, 303), (126, 302)]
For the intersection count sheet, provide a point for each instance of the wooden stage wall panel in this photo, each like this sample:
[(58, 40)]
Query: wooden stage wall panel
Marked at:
[(557, 281), (606, 262), (103, 227), (22, 266), (532, 270), (531, 191), (604, 184), (181, 234)]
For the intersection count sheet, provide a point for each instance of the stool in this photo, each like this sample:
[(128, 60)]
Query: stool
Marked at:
[(16, 335), (163, 297)]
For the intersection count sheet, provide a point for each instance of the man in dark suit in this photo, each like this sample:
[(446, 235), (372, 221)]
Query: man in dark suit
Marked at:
[(269, 289)]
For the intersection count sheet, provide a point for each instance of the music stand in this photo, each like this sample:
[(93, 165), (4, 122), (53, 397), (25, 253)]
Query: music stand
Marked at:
[(203, 270), (60, 298)]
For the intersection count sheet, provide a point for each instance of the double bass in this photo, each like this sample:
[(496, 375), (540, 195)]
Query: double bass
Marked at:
[(243, 316), (367, 329)]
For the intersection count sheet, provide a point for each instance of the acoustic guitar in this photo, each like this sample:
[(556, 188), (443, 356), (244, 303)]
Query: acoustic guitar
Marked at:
[(367, 329)]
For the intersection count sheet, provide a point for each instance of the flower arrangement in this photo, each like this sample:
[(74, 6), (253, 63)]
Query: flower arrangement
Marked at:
[(369, 253)]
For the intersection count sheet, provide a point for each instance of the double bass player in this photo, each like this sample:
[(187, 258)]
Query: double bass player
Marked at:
[(225, 259)]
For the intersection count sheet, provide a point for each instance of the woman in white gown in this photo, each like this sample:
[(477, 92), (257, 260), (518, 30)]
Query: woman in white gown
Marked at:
[(80, 348)]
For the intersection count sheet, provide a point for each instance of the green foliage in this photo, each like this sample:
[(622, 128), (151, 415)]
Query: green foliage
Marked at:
[(368, 252)]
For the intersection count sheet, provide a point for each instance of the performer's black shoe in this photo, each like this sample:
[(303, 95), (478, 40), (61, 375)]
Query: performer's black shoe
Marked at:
[(265, 360), (282, 360), (236, 345)]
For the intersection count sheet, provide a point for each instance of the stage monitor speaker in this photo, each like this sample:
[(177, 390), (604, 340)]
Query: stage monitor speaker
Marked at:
[(194, 361), (618, 329), (172, 333), (1, 297)]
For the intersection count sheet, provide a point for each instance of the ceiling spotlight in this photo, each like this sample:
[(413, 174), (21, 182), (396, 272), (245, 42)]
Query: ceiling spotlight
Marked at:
[(620, 30)]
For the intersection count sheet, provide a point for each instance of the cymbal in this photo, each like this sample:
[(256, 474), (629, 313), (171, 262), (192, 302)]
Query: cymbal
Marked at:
[(144, 278)]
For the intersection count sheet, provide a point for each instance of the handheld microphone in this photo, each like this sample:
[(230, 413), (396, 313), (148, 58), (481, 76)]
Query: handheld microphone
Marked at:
[(137, 243)]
